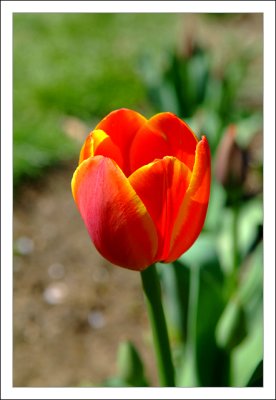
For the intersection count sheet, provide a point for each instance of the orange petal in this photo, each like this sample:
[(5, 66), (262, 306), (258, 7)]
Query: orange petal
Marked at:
[(87, 149), (163, 135), (116, 219), (192, 213), (161, 185), (99, 143), (122, 125)]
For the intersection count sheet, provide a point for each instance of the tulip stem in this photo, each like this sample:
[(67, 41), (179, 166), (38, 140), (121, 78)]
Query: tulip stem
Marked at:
[(152, 290), (235, 238)]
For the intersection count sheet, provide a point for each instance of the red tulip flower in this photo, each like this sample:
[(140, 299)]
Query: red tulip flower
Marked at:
[(142, 187)]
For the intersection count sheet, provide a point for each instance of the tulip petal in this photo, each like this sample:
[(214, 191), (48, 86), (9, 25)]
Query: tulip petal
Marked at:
[(161, 185), (122, 125), (163, 135), (116, 219), (87, 149), (99, 143), (192, 213)]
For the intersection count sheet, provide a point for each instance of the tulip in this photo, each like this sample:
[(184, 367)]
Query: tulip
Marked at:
[(142, 187)]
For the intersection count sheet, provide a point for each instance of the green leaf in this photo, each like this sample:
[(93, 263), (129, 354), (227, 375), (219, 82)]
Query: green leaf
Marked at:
[(186, 374), (246, 356), (215, 208), (175, 284), (115, 382), (130, 365), (206, 304), (209, 123), (251, 284), (251, 217), (231, 328), (249, 220), (256, 379), (247, 128)]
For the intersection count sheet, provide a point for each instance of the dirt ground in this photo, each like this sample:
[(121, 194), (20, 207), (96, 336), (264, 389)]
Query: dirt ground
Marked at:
[(71, 308)]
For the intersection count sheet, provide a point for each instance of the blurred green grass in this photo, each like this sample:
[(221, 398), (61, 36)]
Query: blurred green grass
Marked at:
[(81, 65)]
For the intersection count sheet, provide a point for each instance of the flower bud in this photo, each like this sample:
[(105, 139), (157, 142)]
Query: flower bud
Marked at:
[(142, 187), (231, 161)]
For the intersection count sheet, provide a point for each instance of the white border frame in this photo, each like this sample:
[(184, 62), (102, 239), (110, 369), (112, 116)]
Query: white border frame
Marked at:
[(265, 7)]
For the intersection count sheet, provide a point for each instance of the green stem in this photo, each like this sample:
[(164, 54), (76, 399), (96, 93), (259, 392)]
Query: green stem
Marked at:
[(233, 280), (152, 290), (192, 312), (235, 238)]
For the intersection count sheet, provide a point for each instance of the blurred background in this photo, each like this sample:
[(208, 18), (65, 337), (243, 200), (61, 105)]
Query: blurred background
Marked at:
[(79, 321)]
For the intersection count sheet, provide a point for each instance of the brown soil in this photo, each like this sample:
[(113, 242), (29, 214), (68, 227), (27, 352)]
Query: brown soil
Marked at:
[(71, 308)]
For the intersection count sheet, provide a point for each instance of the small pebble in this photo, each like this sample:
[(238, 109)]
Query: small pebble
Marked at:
[(24, 245), (96, 319), (55, 293), (56, 271)]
